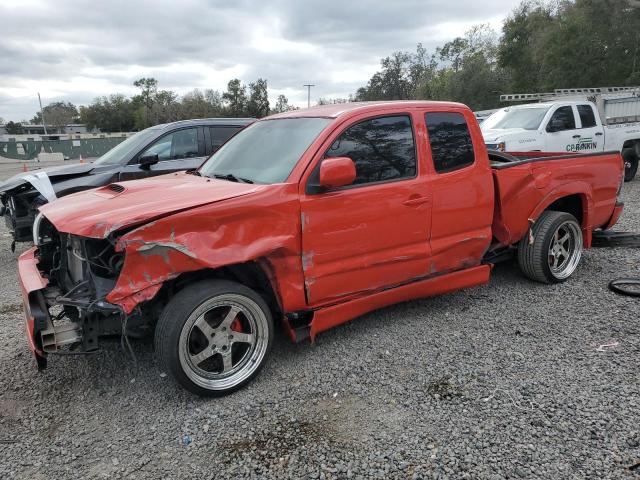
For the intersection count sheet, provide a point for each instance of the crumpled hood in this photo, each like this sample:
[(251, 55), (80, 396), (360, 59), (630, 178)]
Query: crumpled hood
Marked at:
[(97, 213), (52, 172), (494, 135)]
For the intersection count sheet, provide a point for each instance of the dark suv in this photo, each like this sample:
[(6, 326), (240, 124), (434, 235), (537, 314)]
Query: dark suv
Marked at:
[(161, 149)]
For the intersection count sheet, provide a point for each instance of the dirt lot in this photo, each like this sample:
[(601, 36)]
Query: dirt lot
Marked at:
[(501, 381)]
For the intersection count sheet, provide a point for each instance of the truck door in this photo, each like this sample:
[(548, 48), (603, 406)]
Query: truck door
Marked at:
[(591, 133), (374, 233), (463, 192), (561, 130)]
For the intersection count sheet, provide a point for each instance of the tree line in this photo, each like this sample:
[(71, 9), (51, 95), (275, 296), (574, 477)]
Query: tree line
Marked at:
[(543, 45), (152, 106)]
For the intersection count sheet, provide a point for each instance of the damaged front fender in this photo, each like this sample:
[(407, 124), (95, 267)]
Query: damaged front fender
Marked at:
[(214, 236)]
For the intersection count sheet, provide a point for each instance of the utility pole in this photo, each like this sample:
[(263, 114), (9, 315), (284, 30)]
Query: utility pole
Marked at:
[(308, 85), (44, 125)]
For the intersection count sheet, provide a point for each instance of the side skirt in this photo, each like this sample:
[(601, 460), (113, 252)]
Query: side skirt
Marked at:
[(334, 315)]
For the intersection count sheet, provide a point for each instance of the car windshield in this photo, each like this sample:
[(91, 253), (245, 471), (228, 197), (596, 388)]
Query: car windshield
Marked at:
[(528, 118), (266, 151), (121, 151)]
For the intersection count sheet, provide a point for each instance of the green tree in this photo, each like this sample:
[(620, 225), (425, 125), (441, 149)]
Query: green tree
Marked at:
[(114, 113), (464, 69), (392, 82), (198, 104), (258, 103), (57, 114), (13, 128), (282, 105), (148, 90), (522, 35), (235, 98), (581, 43), (165, 107)]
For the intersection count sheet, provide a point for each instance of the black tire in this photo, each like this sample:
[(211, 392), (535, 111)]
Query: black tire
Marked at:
[(541, 260), (184, 327), (630, 163)]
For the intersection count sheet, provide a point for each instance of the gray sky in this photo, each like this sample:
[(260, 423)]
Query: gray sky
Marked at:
[(72, 50)]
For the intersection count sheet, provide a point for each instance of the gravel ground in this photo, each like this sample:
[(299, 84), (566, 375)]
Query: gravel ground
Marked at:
[(500, 381)]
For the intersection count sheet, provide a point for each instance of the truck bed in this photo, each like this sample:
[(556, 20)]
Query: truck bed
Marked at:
[(527, 183)]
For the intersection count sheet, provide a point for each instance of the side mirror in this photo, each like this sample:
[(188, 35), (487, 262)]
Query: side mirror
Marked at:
[(555, 125), (148, 159), (337, 172)]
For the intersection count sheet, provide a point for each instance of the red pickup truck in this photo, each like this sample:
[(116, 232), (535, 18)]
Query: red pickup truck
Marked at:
[(312, 218)]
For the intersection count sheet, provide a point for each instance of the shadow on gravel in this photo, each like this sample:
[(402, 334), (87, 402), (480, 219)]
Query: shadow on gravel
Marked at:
[(13, 308)]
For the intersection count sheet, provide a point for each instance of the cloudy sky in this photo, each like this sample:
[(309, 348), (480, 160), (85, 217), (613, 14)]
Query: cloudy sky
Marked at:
[(74, 50)]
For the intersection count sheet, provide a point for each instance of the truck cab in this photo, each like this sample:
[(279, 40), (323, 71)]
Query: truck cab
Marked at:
[(549, 127)]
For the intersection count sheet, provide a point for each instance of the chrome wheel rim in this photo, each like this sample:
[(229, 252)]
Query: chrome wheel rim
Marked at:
[(565, 250), (223, 341)]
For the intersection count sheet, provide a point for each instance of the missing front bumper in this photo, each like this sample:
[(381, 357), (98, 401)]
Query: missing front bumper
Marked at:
[(47, 335)]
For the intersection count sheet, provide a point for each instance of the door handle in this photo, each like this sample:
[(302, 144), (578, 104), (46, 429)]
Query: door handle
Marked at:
[(577, 136), (413, 201), (599, 134)]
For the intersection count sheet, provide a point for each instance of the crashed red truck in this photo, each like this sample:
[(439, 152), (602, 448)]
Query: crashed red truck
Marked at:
[(310, 218)]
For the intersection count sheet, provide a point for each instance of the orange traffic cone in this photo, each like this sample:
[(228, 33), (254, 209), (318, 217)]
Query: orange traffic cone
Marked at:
[(24, 167), (81, 159)]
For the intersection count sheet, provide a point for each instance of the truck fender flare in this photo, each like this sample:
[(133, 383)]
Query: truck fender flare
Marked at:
[(583, 190)]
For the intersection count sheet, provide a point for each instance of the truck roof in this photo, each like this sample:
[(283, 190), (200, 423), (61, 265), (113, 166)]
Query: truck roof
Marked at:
[(338, 109)]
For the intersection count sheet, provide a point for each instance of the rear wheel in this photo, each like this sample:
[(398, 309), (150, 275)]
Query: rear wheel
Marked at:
[(214, 336), (630, 163), (556, 249)]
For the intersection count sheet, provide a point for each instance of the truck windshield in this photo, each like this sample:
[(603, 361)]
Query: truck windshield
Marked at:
[(266, 151), (527, 118), (121, 151)]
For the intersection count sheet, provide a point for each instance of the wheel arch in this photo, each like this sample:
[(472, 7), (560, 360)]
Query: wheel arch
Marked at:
[(575, 199), (256, 274), (632, 143)]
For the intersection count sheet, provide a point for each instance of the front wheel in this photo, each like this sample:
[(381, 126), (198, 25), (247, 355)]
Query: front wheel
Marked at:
[(630, 163), (214, 336), (556, 249)]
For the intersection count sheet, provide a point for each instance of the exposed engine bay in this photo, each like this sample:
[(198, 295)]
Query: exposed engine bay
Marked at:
[(81, 272)]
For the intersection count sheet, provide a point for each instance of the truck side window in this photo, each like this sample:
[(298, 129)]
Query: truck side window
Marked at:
[(587, 117), (219, 135), (382, 149), (451, 145), (563, 118)]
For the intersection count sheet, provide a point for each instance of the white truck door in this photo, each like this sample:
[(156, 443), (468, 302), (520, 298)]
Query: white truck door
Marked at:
[(561, 130), (591, 131)]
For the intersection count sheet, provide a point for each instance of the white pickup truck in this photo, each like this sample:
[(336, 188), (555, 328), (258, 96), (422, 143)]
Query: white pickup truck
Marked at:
[(572, 120)]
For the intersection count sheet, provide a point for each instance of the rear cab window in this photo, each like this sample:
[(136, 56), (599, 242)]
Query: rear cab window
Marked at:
[(587, 117), (382, 148), (450, 141)]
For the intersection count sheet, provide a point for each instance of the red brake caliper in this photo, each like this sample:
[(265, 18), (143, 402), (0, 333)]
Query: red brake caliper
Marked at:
[(236, 326)]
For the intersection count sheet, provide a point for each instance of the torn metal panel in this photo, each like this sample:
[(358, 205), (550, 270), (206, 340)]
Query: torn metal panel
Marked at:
[(217, 235), (40, 181)]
